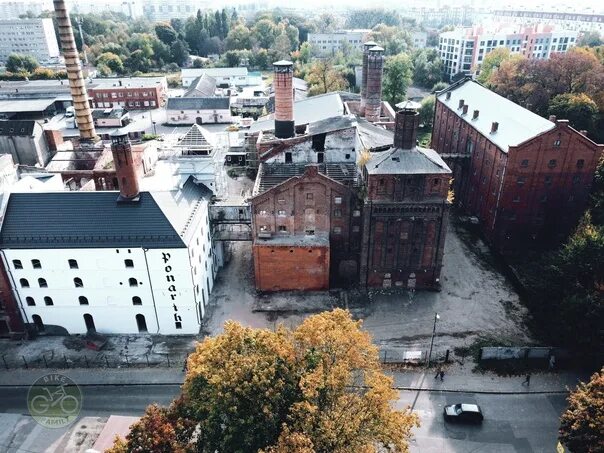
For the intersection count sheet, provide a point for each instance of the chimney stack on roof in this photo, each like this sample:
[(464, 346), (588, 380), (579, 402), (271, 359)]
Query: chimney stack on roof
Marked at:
[(461, 104), (284, 99), (465, 109), (475, 116), (552, 118), (494, 127), (74, 73), (406, 124), (125, 166), (448, 95), (368, 45), (375, 71)]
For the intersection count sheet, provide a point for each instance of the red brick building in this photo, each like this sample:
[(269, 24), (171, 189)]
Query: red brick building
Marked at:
[(527, 179), (134, 93)]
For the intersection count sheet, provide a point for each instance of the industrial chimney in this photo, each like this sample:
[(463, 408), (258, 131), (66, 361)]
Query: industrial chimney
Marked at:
[(74, 73), (406, 124), (125, 167), (368, 45), (375, 67), (284, 99)]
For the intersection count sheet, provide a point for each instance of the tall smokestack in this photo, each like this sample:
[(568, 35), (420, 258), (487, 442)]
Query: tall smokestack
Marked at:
[(375, 67), (406, 124), (125, 167), (368, 45), (284, 99), (74, 73)]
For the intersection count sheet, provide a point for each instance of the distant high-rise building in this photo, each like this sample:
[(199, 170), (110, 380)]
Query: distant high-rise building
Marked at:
[(332, 42), (130, 8), (35, 37), (158, 10), (464, 49), (14, 9)]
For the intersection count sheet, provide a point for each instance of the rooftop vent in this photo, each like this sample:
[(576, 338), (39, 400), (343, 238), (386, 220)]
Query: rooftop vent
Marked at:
[(465, 109), (475, 116), (448, 95), (494, 127), (552, 118), (461, 103)]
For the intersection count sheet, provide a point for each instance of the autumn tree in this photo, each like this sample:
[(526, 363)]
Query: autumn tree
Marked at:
[(578, 109), (582, 425), (239, 38), (316, 389), (112, 61), (491, 63), (323, 77), (398, 72)]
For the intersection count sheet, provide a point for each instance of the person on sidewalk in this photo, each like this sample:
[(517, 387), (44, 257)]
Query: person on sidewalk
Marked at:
[(527, 380), (442, 375), (438, 371)]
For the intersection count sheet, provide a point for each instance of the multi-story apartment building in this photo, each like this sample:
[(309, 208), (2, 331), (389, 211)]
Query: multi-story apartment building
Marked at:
[(12, 9), (586, 20), (464, 49), (158, 10), (130, 8), (35, 37), (324, 44), (135, 93), (525, 178)]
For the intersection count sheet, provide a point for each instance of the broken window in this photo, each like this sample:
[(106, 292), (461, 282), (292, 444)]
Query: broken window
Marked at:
[(318, 142), (73, 264), (288, 158), (282, 229)]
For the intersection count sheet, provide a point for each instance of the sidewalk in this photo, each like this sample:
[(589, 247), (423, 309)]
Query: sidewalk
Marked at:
[(458, 380)]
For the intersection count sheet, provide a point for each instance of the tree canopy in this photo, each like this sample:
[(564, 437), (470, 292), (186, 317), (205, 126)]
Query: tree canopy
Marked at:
[(397, 78), (21, 63), (323, 77), (317, 388)]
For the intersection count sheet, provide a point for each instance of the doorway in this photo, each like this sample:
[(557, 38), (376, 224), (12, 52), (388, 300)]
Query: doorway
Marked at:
[(141, 323), (89, 323), (199, 121), (38, 323)]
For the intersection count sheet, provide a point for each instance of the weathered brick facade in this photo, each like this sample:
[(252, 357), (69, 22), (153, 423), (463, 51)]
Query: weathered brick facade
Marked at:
[(529, 193)]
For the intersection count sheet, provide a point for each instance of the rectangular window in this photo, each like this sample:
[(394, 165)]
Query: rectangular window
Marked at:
[(338, 200), (356, 228), (282, 229), (557, 143), (309, 196), (520, 181), (356, 213), (73, 264), (548, 180), (551, 163), (129, 263), (524, 163), (281, 212), (576, 179), (337, 230), (516, 199)]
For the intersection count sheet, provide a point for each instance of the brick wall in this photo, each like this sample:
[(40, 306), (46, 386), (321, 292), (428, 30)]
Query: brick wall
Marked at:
[(127, 96)]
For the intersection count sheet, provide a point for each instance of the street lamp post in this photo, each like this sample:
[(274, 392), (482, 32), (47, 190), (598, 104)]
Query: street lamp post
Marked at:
[(436, 318), (154, 130)]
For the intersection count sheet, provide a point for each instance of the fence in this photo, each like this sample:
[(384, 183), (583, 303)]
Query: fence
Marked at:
[(100, 360)]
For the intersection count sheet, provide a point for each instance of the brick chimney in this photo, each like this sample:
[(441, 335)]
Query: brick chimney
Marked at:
[(475, 116), (465, 109), (284, 99), (461, 104), (494, 127), (368, 45), (74, 73), (375, 70), (125, 166), (406, 124)]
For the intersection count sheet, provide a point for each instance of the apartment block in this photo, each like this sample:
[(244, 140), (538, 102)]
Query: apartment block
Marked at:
[(330, 43), (35, 37)]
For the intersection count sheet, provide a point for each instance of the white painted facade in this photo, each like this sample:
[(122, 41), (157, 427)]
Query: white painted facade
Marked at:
[(223, 76), (173, 285), (190, 117), (330, 43)]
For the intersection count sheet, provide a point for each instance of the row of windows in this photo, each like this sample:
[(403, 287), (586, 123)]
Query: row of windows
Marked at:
[(73, 264), (83, 300), (76, 281), (89, 321)]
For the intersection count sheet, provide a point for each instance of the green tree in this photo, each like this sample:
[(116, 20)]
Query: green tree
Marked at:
[(265, 32), (138, 62), (166, 33), (260, 59), (18, 63), (239, 38), (427, 67), (281, 49), (394, 40), (318, 388), (426, 111), (231, 59), (582, 425), (439, 86), (323, 77), (590, 39), (491, 63), (111, 61), (179, 52), (579, 109), (293, 34), (397, 78)]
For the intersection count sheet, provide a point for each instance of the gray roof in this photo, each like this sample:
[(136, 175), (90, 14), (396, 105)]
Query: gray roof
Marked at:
[(23, 128), (131, 82), (196, 136), (372, 136), (116, 113), (332, 124), (25, 105), (516, 124), (201, 103), (271, 175), (203, 86), (214, 72), (307, 111), (416, 161), (46, 220)]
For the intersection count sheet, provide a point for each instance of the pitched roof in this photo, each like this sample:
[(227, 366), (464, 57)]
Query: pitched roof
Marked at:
[(372, 136), (203, 86), (116, 113), (214, 72), (516, 124), (96, 220), (195, 137), (271, 175), (198, 103), (416, 161), (24, 128)]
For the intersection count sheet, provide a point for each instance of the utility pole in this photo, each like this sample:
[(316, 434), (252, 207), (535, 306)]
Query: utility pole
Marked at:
[(436, 318), (79, 21)]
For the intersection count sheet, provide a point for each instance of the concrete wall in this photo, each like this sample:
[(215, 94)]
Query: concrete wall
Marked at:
[(27, 150)]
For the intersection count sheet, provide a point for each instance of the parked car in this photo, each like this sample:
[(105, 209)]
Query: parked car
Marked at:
[(464, 413)]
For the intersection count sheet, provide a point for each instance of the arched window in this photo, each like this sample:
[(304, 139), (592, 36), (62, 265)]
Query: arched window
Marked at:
[(24, 283), (17, 264), (73, 264), (36, 264), (42, 283), (137, 301), (38, 323), (30, 301), (78, 282), (48, 300), (89, 321), (133, 282), (83, 300), (141, 323)]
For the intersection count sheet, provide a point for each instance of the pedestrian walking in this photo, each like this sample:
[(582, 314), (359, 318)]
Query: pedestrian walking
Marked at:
[(527, 380), (437, 374), (552, 362), (442, 375)]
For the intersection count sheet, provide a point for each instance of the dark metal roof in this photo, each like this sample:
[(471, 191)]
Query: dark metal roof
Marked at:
[(97, 220), (23, 128), (201, 103), (333, 124), (272, 175), (203, 86), (115, 113)]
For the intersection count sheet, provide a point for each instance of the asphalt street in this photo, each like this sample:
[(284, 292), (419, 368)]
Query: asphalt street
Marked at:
[(513, 423)]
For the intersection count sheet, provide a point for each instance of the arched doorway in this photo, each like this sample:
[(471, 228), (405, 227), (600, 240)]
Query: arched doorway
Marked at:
[(141, 323), (199, 121), (38, 323), (89, 323)]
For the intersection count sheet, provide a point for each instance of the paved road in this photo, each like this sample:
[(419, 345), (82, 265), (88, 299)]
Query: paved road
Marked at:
[(513, 423)]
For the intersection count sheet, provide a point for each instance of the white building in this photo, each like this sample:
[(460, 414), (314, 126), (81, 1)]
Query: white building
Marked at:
[(330, 43), (222, 76), (463, 50), (15, 8), (160, 10), (84, 260), (130, 8), (189, 111), (35, 37), (419, 39)]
